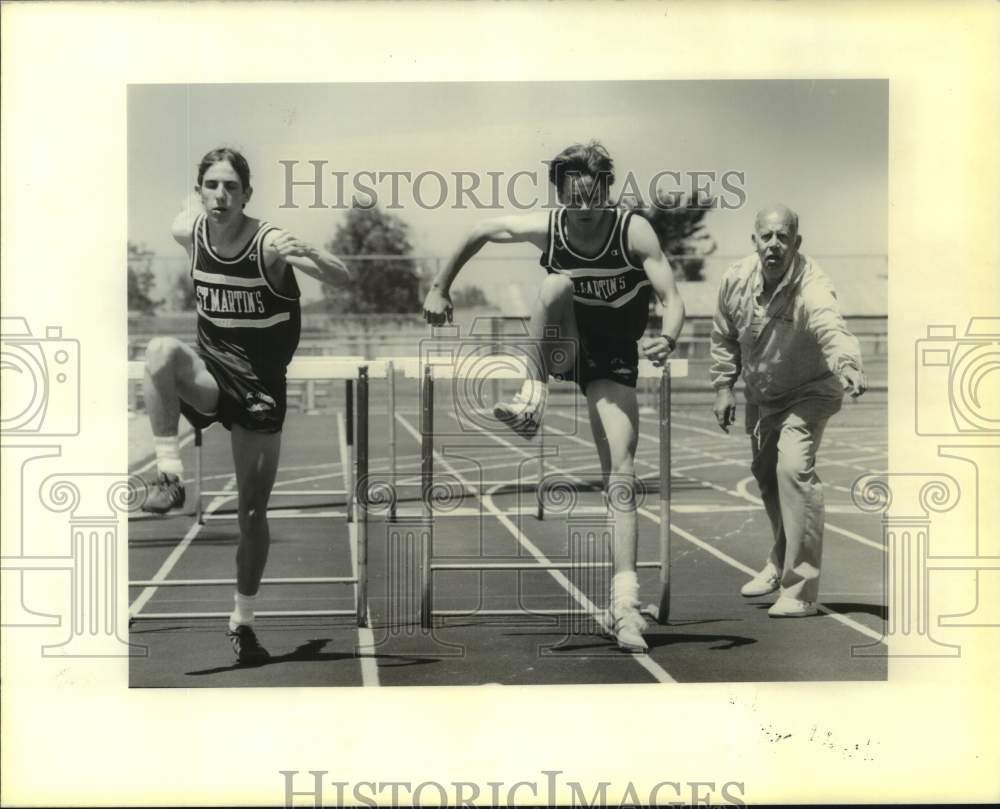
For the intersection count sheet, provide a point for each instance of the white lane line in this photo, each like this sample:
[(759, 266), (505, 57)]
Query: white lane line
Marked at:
[(843, 619), (644, 660), (726, 462), (308, 479), (872, 454), (856, 467), (366, 639), (679, 423), (856, 537)]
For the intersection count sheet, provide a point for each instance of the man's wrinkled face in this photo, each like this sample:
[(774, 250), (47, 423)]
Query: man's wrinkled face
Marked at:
[(776, 241)]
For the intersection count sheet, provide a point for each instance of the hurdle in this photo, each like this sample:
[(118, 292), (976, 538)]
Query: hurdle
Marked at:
[(412, 368), (428, 373), (352, 371)]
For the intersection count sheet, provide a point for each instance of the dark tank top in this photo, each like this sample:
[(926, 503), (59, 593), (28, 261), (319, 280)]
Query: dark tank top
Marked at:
[(239, 312), (610, 294)]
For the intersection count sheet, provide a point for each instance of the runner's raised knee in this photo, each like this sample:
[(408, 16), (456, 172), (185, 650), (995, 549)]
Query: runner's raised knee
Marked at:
[(161, 354), (556, 288)]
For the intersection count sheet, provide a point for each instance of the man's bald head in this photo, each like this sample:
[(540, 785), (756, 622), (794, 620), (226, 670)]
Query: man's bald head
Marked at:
[(776, 239), (777, 215)]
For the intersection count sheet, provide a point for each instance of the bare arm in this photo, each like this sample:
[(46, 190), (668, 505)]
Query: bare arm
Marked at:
[(645, 249), (283, 250), (531, 228), (183, 223)]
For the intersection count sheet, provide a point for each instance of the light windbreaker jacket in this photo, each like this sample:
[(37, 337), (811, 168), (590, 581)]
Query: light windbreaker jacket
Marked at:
[(801, 350)]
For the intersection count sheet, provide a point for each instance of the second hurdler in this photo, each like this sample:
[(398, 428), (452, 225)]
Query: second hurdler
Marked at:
[(602, 262)]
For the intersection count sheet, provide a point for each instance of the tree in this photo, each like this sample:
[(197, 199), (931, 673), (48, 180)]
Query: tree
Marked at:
[(141, 280), (181, 295), (387, 281), (679, 225)]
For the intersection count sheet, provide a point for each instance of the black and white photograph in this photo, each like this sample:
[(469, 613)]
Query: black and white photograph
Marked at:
[(576, 403), (469, 383)]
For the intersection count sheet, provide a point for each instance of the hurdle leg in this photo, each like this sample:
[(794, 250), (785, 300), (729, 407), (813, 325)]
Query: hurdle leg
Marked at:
[(663, 613), (198, 515), (539, 494), (349, 419), (426, 482), (495, 339), (391, 372), (310, 396), (362, 499)]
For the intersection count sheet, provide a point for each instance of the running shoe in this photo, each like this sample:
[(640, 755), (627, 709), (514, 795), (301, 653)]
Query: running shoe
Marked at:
[(248, 650), (521, 415), (165, 493), (628, 627), (764, 583), (786, 607)]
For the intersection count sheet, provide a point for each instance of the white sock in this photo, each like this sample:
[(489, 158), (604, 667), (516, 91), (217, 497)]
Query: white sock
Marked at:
[(534, 392), (625, 590), (243, 613), (168, 455)]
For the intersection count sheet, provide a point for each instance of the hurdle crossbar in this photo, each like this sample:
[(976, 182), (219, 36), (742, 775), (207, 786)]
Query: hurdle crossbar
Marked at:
[(550, 565), (183, 616), (431, 371), (282, 492), (218, 582)]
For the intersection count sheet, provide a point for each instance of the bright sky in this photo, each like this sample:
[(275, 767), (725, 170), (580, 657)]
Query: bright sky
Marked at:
[(820, 147)]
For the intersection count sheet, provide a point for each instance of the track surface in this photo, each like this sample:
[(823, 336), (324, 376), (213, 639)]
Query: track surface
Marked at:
[(720, 535)]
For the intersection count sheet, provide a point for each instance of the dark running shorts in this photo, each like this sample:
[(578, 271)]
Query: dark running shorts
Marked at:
[(251, 396), (604, 358)]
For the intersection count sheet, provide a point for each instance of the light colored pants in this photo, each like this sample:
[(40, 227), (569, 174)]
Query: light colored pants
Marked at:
[(784, 464)]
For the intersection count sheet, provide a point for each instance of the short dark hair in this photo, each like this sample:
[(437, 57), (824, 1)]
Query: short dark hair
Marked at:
[(230, 156), (582, 160)]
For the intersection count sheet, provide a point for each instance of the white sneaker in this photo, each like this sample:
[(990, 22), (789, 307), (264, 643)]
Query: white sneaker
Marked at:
[(628, 628), (766, 582), (522, 415), (786, 607)]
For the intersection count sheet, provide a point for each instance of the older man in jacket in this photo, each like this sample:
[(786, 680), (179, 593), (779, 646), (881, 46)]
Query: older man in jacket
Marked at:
[(778, 323)]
